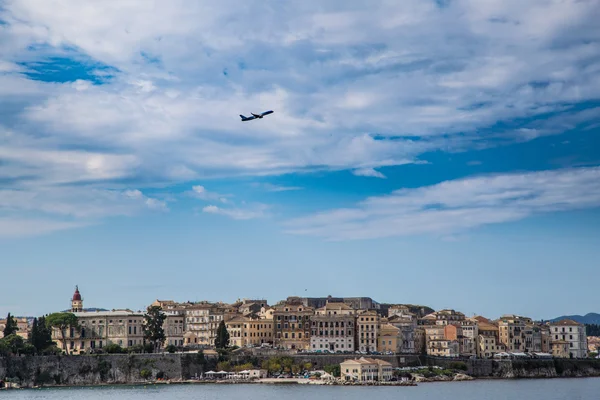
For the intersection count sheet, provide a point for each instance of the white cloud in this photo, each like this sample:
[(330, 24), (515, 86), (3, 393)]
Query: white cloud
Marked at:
[(200, 192), (57, 208), (371, 172), (456, 206), (269, 187), (237, 213), (335, 74)]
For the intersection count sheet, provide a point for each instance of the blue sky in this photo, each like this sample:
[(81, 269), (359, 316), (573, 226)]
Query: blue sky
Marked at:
[(442, 153)]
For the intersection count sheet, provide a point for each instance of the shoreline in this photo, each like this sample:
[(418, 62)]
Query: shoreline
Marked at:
[(288, 381)]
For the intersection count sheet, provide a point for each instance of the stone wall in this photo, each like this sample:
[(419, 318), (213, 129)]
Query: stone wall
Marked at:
[(527, 368), (128, 369), (100, 369), (320, 360)]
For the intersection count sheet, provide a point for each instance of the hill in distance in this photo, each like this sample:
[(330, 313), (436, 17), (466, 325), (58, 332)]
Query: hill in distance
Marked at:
[(588, 319)]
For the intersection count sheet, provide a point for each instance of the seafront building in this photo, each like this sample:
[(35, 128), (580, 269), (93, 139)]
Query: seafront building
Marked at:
[(100, 328), (572, 338), (335, 327), (366, 370)]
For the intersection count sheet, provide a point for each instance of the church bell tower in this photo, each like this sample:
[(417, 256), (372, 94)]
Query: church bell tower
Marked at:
[(76, 301)]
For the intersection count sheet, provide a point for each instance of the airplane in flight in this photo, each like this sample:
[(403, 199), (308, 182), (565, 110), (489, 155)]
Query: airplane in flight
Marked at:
[(255, 116)]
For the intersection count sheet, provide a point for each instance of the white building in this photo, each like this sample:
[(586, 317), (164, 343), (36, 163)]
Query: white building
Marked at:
[(333, 328), (572, 332)]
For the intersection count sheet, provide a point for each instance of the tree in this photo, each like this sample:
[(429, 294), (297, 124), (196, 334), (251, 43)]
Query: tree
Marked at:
[(171, 348), (11, 326), (114, 348), (12, 344), (333, 369), (40, 336), (62, 321), (222, 339), (153, 327)]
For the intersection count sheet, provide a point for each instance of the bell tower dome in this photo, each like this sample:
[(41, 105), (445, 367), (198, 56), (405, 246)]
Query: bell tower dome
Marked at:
[(76, 301)]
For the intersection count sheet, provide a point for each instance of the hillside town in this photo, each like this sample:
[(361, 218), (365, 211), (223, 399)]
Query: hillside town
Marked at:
[(349, 325)]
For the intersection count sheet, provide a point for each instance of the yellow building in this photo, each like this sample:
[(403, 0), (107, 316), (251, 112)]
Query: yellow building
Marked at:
[(488, 343), (367, 324), (292, 325), (202, 321), (512, 333), (390, 339), (100, 328), (174, 325), (258, 331), (235, 328), (443, 348), (560, 349), (366, 370), (22, 324)]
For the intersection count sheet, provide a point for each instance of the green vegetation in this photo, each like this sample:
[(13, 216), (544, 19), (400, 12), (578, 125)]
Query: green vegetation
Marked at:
[(41, 335), (222, 339), (153, 327), (458, 365), (224, 366), (333, 369), (11, 344), (62, 322), (278, 365), (140, 348), (171, 348), (114, 348), (11, 326), (146, 373)]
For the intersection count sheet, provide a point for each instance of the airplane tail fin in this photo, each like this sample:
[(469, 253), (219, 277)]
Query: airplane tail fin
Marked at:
[(243, 118)]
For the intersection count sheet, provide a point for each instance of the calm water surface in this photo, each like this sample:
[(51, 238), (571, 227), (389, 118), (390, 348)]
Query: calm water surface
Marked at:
[(546, 389)]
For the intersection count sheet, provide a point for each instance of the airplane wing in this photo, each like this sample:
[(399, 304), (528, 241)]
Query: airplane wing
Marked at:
[(267, 113)]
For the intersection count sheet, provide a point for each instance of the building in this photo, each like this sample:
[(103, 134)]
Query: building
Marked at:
[(202, 321), (258, 331), (292, 326), (407, 323), (512, 333), (357, 303), (573, 333), (443, 348), (560, 349), (174, 325), (443, 340), (389, 339), (22, 325), (100, 328), (469, 331), (252, 306), (367, 325), (197, 324), (333, 328), (445, 317), (488, 342), (249, 331), (366, 370)]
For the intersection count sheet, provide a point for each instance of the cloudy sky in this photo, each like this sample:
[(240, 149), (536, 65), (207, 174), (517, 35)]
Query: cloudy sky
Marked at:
[(438, 152)]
